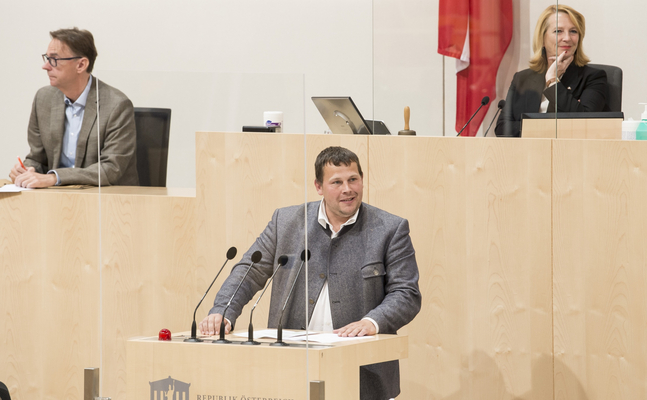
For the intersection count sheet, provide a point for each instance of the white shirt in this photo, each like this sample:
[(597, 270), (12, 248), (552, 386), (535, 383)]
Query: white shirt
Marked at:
[(543, 108), (321, 320)]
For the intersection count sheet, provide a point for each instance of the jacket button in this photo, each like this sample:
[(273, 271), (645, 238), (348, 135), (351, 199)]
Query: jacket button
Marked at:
[(311, 301), (322, 276), (376, 272)]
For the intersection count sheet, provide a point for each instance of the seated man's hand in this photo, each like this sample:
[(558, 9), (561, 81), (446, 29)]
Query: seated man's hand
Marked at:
[(360, 328), (15, 171), (32, 179), (211, 325)]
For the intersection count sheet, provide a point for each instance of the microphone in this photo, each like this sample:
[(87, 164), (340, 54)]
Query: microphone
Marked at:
[(500, 107), (279, 328), (250, 336), (484, 102), (231, 253), (256, 257)]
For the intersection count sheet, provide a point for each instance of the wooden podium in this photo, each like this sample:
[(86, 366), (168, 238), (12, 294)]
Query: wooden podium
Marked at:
[(577, 128), (176, 370)]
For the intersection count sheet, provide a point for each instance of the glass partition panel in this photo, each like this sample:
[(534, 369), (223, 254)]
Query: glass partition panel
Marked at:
[(482, 86), (408, 72), (142, 256), (339, 103), (424, 60), (572, 56), (162, 247), (458, 194), (48, 236), (49, 243), (588, 82)]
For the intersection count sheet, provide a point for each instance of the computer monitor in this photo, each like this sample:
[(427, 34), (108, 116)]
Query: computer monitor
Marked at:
[(343, 117)]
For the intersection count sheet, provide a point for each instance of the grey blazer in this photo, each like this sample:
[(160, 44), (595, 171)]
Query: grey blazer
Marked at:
[(118, 137), (371, 271)]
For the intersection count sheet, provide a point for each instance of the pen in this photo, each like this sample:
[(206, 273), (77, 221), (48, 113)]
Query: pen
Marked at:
[(21, 164)]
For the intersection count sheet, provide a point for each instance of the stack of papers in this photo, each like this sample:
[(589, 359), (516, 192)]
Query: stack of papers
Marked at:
[(11, 188), (300, 336)]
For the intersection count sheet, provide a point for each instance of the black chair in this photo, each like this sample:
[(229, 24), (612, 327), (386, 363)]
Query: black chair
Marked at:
[(4, 392), (614, 79), (153, 128)]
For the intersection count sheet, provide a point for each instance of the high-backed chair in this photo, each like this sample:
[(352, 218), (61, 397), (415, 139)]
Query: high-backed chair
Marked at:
[(4, 392), (614, 79), (153, 128)]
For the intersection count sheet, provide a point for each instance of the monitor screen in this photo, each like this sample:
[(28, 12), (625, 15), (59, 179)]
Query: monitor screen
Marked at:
[(342, 116)]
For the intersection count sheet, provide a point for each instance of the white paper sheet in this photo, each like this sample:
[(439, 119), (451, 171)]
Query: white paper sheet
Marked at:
[(300, 336), (11, 188)]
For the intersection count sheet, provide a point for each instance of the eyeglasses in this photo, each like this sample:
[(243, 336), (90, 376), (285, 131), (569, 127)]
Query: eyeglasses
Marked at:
[(54, 61)]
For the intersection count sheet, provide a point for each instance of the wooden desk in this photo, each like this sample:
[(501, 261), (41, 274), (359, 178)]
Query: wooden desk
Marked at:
[(60, 312), (263, 371)]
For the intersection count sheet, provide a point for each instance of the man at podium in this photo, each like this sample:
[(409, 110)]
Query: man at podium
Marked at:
[(363, 275)]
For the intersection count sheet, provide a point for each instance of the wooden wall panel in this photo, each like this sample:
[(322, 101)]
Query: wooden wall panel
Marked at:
[(149, 275), (60, 313), (600, 278), (48, 293), (479, 212)]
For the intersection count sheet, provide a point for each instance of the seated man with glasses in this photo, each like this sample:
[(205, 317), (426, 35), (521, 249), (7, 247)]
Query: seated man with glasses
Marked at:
[(62, 132)]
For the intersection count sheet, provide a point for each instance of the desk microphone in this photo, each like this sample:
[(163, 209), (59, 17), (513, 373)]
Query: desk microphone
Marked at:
[(256, 257), (500, 107), (250, 336), (484, 102), (231, 253), (279, 328)]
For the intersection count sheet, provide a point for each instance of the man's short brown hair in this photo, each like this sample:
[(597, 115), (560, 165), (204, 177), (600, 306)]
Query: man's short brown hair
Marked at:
[(336, 156), (79, 41)]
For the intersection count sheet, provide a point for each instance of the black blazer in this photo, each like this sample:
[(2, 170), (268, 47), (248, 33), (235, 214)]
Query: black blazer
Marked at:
[(582, 89)]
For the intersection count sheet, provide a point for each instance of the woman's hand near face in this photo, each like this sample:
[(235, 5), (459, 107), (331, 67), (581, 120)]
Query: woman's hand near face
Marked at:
[(558, 67)]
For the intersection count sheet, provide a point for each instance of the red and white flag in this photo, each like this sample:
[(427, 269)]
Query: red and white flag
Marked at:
[(477, 33)]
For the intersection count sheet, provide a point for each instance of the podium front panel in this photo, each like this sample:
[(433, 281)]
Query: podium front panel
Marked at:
[(206, 371)]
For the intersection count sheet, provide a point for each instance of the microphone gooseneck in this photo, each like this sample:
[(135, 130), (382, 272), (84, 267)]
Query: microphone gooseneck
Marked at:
[(256, 257), (279, 328), (499, 108), (250, 331), (231, 253), (484, 102)]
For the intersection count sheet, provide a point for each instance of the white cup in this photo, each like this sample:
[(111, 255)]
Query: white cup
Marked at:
[(273, 118)]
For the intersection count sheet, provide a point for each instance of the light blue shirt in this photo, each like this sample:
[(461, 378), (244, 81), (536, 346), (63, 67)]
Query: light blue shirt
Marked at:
[(73, 120)]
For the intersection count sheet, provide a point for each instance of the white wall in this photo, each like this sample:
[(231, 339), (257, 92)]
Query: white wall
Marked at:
[(615, 35), (220, 64)]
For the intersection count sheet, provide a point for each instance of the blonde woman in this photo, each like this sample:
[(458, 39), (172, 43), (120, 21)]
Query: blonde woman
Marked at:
[(559, 63)]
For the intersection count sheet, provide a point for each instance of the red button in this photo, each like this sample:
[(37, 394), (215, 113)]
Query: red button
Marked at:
[(165, 334)]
